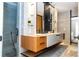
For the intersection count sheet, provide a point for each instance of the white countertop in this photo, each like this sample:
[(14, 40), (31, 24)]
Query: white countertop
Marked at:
[(44, 34)]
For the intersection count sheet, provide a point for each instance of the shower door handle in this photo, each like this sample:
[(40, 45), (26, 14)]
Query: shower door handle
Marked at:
[(17, 31), (0, 38)]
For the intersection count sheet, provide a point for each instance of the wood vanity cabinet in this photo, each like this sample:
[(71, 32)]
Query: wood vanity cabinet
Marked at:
[(32, 43)]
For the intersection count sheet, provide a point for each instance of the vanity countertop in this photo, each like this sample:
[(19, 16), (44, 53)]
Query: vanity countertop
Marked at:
[(44, 34)]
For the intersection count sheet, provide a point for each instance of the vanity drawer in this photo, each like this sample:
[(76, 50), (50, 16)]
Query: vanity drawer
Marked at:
[(41, 46), (41, 43)]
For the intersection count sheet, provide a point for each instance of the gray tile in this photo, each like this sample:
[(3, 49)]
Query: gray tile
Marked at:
[(54, 52)]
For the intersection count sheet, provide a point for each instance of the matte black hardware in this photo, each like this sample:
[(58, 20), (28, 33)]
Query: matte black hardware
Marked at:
[(17, 32), (58, 35), (42, 43), (0, 38)]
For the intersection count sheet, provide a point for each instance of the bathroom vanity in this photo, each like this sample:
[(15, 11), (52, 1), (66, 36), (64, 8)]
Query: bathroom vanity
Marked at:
[(37, 42), (43, 34)]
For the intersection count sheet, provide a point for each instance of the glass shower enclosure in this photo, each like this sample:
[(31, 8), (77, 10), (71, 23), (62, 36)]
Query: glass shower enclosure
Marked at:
[(10, 43)]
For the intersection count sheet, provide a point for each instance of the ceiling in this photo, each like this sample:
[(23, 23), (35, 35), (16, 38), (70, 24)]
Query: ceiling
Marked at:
[(65, 6)]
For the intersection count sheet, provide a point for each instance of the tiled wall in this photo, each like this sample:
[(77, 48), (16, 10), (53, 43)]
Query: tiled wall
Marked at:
[(29, 14), (64, 25)]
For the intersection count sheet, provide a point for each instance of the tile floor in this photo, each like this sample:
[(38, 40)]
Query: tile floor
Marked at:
[(71, 51), (61, 50)]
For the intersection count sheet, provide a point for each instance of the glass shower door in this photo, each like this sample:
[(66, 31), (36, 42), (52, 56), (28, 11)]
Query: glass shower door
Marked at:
[(9, 30)]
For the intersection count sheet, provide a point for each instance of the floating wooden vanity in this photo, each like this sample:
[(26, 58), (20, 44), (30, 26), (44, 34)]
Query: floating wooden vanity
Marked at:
[(38, 42), (34, 43)]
